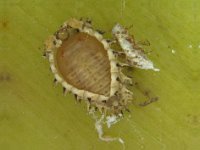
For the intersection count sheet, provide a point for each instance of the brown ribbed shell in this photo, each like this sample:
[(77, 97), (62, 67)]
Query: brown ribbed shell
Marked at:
[(83, 62)]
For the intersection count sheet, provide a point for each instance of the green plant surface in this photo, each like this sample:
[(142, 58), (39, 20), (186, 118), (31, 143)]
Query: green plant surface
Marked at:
[(34, 114)]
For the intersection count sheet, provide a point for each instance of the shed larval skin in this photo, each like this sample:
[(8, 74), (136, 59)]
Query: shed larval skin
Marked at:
[(135, 56)]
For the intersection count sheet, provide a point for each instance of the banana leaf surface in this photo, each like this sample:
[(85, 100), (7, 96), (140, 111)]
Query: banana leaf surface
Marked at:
[(34, 114)]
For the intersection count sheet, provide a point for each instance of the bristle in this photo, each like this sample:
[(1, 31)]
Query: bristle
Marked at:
[(122, 113), (100, 31), (89, 21), (44, 55), (126, 94), (79, 99), (55, 81), (89, 107), (65, 91), (113, 41), (119, 64), (75, 96), (128, 110), (103, 110), (89, 99), (109, 40), (125, 79), (151, 100), (95, 108), (129, 92), (100, 109), (119, 53)]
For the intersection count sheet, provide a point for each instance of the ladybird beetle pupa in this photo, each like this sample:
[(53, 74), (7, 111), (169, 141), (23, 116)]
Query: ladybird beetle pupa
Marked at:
[(84, 63)]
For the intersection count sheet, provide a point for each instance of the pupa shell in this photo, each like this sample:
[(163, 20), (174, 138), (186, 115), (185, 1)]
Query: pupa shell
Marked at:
[(86, 65)]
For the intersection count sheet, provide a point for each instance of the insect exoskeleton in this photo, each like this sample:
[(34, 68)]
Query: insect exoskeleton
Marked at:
[(84, 63), (134, 55)]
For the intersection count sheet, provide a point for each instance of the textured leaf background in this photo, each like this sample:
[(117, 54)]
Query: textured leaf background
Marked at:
[(34, 115)]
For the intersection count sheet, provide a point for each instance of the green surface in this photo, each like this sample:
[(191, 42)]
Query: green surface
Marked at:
[(34, 115)]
